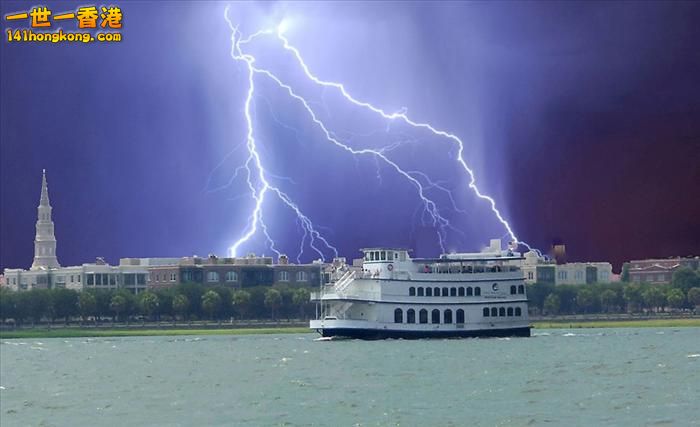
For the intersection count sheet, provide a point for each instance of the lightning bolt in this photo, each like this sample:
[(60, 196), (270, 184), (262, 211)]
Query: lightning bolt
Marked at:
[(256, 175)]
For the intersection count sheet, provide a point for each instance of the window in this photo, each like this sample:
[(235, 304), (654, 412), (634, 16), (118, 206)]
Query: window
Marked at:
[(371, 256), (436, 292), (448, 316), (461, 291), (510, 311), (389, 256), (502, 311), (477, 291), (521, 289), (530, 276), (284, 276), (460, 316), (411, 316), (562, 275), (494, 312), (411, 291), (301, 276), (470, 291), (486, 312), (429, 292), (445, 292), (518, 311), (173, 277), (453, 292), (435, 316), (212, 276), (383, 255), (420, 292), (112, 279), (423, 316), (231, 276), (513, 289), (398, 316)]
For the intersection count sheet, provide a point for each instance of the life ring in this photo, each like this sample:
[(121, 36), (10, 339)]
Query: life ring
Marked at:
[(390, 267)]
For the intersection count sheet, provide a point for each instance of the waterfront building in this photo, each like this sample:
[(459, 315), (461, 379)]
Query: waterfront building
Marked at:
[(538, 269), (240, 272), (659, 270)]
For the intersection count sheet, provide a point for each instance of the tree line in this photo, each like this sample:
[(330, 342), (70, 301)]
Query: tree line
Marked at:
[(182, 302), (622, 297)]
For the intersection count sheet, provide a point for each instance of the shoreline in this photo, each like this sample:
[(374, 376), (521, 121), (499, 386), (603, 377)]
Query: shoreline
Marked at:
[(295, 329)]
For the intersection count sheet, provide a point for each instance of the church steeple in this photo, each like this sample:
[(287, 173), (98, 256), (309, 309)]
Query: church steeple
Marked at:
[(45, 241)]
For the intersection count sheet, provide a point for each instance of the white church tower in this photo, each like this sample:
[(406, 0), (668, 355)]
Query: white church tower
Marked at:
[(45, 241)]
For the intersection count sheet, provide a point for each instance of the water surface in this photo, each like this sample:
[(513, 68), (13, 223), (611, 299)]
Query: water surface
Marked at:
[(645, 376)]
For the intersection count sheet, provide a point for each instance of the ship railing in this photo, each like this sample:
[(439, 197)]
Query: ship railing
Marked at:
[(344, 281)]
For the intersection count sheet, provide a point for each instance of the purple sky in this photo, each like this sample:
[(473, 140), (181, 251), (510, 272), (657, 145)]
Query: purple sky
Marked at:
[(581, 119)]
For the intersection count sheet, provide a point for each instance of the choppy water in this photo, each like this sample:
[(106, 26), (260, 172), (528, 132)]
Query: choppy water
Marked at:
[(559, 377)]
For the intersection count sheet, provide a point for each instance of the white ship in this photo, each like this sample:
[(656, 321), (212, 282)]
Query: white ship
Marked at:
[(391, 295)]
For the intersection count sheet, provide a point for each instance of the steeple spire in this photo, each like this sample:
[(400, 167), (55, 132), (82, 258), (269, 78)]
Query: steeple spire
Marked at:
[(45, 241)]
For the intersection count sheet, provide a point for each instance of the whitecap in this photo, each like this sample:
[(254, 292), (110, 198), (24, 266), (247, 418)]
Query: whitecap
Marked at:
[(569, 334), (693, 356)]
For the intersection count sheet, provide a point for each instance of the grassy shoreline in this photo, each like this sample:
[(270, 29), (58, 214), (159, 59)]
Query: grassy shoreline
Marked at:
[(135, 332)]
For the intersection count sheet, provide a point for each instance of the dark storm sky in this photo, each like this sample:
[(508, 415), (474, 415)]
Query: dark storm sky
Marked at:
[(582, 120)]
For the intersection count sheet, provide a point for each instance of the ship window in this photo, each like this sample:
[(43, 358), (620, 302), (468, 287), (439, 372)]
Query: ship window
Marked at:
[(461, 291), (423, 316), (411, 316), (390, 256), (383, 255), (486, 312), (435, 316), (470, 292), (521, 289), (436, 292), (477, 291), (448, 316), (518, 311), (460, 316), (510, 311), (453, 292), (494, 312), (398, 316), (429, 292), (513, 290), (420, 292), (502, 311), (371, 256), (411, 291), (445, 292)]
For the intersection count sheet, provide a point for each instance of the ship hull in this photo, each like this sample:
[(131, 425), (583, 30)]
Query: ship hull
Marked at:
[(377, 334)]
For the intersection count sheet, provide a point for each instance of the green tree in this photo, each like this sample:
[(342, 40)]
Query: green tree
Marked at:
[(40, 304), (211, 302), (694, 296), (118, 304), (675, 298), (633, 296), (654, 297), (684, 279), (7, 304), (552, 304), (87, 304), (585, 299), (273, 300), (625, 275), (148, 303), (103, 299), (241, 302), (301, 299), (538, 292), (65, 303), (181, 305), (608, 299)]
